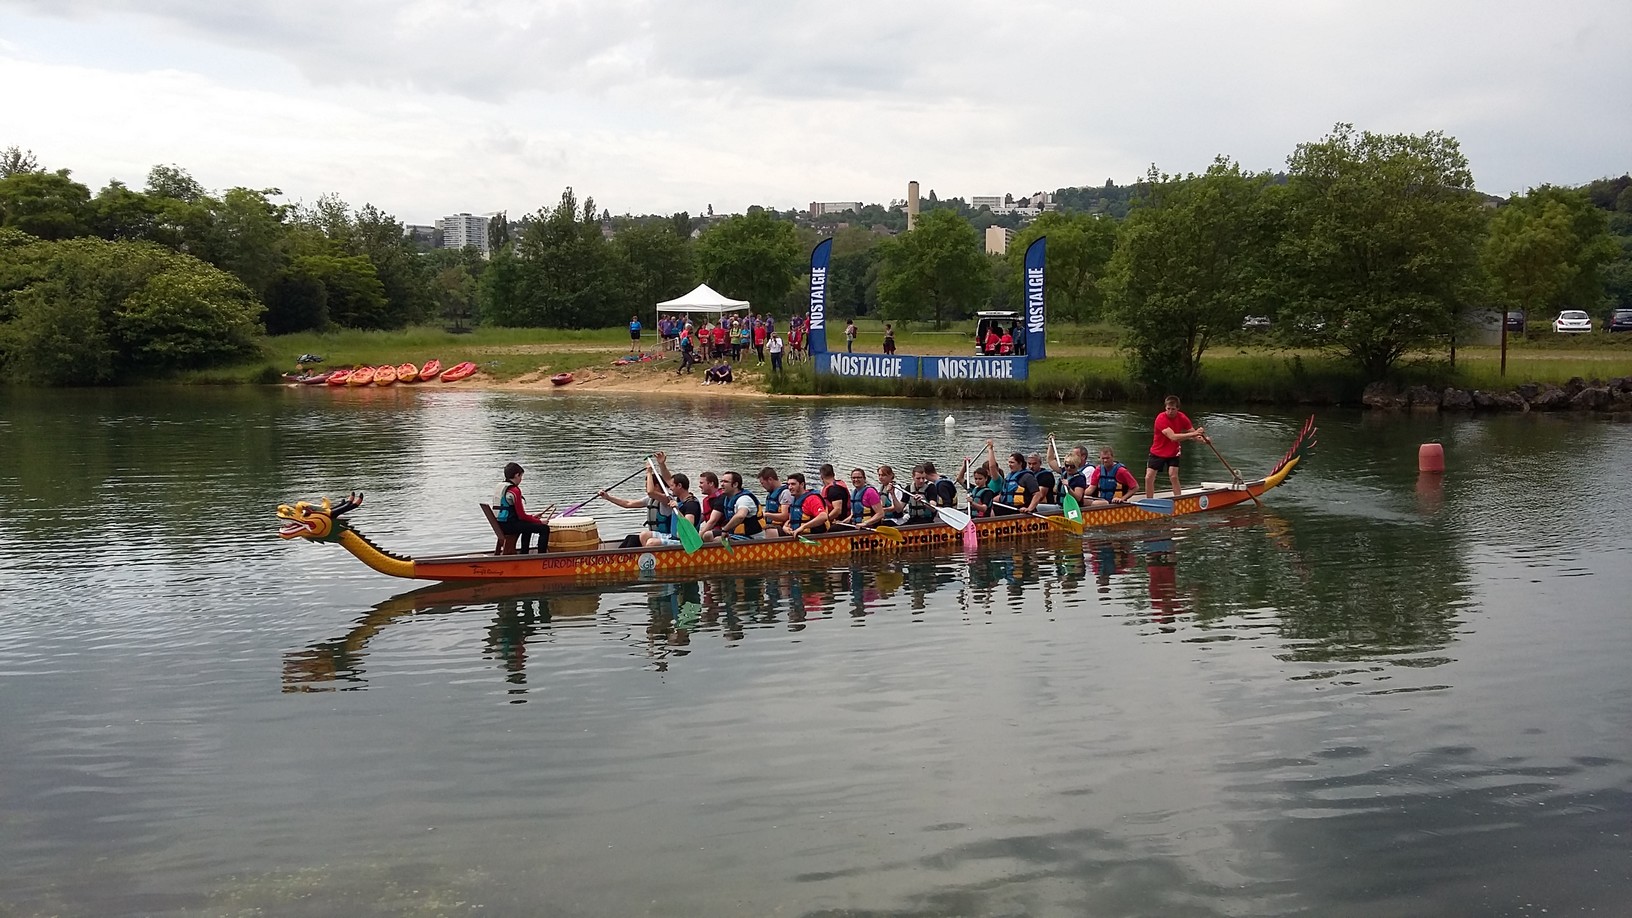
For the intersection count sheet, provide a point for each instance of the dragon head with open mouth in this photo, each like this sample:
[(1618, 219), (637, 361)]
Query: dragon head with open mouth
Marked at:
[(319, 523)]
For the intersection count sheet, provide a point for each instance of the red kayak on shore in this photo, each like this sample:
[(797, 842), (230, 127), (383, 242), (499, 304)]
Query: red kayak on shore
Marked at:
[(431, 370), (561, 379), (458, 371)]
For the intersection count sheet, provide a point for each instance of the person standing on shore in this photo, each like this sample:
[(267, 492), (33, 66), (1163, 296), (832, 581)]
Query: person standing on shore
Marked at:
[(775, 346), (634, 334), (1171, 429), (850, 336), (761, 332), (889, 338)]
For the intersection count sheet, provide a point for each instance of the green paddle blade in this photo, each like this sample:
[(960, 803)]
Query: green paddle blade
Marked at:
[(725, 540), (690, 538), (1073, 510)]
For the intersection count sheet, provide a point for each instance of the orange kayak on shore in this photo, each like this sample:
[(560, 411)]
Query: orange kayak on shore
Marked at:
[(385, 376), (431, 370), (338, 377), (458, 371), (407, 373), (362, 376)]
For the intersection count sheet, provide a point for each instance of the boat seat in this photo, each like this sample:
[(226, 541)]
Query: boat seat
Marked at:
[(506, 544)]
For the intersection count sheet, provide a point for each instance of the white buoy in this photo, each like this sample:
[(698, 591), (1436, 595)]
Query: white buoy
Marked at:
[(950, 422)]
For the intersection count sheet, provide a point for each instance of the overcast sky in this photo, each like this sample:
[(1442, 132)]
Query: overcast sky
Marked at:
[(430, 107)]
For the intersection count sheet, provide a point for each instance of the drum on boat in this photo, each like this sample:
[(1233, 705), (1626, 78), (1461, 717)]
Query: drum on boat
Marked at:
[(574, 533)]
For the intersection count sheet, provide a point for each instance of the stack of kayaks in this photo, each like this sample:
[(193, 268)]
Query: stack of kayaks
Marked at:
[(389, 375)]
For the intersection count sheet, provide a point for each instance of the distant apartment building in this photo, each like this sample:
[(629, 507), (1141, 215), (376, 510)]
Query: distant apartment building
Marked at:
[(818, 208), (994, 202), (422, 235), (998, 239), (1007, 204), (461, 230)]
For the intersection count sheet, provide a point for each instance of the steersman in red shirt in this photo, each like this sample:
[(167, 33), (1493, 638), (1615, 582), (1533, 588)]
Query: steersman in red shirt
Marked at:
[(1171, 429)]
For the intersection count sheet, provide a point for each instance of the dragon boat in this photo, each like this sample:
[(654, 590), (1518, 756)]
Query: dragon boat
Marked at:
[(324, 522)]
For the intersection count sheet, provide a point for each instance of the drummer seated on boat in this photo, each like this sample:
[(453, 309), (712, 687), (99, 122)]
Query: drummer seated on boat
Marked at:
[(807, 512), (510, 510), (743, 507), (1109, 482)]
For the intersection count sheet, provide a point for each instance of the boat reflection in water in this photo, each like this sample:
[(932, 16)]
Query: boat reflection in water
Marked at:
[(1234, 576), (522, 616)]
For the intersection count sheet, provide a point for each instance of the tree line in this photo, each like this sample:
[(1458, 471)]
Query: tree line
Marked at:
[(1373, 246)]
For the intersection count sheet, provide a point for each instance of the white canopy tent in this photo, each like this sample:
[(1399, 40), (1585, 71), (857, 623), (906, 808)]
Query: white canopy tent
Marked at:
[(703, 299)]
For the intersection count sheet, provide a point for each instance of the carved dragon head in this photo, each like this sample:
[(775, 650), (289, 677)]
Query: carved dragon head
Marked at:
[(321, 523)]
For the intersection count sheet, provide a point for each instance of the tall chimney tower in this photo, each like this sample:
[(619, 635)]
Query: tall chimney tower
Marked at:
[(912, 205)]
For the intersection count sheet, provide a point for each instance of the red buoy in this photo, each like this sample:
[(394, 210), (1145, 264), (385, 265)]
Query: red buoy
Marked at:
[(1431, 457)]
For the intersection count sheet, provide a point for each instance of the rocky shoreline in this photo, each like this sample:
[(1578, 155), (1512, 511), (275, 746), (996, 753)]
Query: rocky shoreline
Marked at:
[(1576, 395)]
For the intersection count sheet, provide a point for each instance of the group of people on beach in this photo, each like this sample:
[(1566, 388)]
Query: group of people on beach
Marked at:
[(727, 340), (724, 507)]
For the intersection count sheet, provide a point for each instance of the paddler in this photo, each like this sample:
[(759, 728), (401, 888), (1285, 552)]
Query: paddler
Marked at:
[(738, 512), (893, 498), (1018, 486), (775, 511), (837, 498), (807, 512), (1171, 429), (981, 493), (1109, 482), (866, 504), (1045, 501)]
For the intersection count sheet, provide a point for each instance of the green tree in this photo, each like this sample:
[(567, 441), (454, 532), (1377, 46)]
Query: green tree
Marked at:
[(1548, 250), (1189, 266), (564, 275), (936, 272), (120, 213), (655, 261), (1078, 251), (352, 291), (753, 257), (49, 205), (498, 232), (1382, 247), (92, 311), (383, 240), (14, 159)]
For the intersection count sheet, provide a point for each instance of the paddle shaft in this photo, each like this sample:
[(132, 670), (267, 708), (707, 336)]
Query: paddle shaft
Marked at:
[(1234, 475), (1060, 520), (580, 505)]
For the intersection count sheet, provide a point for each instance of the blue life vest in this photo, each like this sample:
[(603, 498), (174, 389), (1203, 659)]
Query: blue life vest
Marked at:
[(773, 500), (505, 511), (1012, 492), (983, 495), (1107, 483), (858, 511), (750, 523)]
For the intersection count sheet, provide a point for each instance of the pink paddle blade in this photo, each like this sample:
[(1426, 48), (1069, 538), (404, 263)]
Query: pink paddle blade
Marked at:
[(971, 540)]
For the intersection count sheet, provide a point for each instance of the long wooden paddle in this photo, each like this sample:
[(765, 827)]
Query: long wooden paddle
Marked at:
[(1234, 475), (686, 530), (581, 504), (887, 533), (1060, 521)]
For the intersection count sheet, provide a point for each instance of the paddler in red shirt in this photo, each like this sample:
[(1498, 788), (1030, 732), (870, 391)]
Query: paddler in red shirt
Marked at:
[(1172, 428)]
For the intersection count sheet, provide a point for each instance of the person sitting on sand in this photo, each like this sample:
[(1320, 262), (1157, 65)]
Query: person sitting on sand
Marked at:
[(719, 373)]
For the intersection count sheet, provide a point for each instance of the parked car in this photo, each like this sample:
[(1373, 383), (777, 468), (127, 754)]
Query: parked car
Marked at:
[(1573, 322), (1256, 322), (1620, 320), (997, 321), (1515, 322)]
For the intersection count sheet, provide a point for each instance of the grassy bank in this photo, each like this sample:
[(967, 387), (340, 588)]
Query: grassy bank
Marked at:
[(503, 353), (1242, 377)]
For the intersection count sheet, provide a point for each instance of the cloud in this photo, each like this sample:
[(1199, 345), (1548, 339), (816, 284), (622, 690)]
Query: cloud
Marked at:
[(427, 105)]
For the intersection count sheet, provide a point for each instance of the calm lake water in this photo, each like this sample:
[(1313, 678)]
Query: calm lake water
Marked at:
[(1372, 697)]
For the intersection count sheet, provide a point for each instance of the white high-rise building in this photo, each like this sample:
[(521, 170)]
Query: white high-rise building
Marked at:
[(460, 230)]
